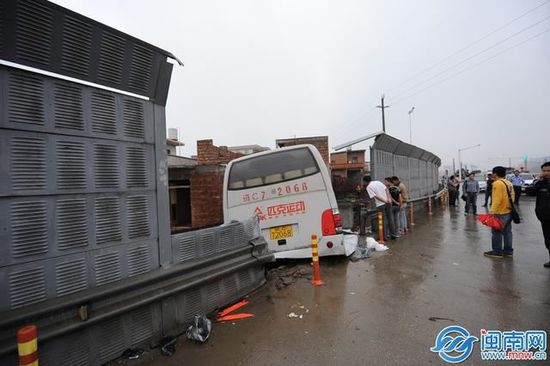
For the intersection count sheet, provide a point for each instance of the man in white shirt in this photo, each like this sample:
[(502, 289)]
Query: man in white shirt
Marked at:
[(379, 192)]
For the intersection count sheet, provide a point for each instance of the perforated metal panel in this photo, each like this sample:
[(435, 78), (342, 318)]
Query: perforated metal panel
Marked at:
[(84, 199), (78, 167), (212, 241), (417, 168), (49, 37)]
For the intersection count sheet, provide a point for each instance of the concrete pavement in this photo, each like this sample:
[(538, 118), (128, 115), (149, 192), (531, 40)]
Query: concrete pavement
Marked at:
[(388, 309)]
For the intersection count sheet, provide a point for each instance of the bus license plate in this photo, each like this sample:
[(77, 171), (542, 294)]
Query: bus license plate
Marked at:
[(280, 232)]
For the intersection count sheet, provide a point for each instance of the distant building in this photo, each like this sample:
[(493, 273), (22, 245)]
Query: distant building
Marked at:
[(247, 149), (172, 142), (320, 142), (349, 165), (171, 146)]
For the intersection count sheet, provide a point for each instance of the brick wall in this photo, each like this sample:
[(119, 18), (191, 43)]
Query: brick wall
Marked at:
[(206, 196), (207, 184), (208, 154), (339, 158)]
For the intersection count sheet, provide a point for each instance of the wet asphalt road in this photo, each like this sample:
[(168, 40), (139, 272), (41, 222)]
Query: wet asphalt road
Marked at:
[(377, 311)]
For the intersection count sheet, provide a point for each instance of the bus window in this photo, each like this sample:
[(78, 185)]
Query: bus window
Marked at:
[(285, 164)]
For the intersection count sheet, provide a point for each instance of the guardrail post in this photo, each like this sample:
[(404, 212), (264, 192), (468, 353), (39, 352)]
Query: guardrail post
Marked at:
[(27, 345), (411, 214), (429, 205), (380, 217), (315, 258)]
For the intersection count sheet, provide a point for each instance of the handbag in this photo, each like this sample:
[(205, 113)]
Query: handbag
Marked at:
[(516, 219)]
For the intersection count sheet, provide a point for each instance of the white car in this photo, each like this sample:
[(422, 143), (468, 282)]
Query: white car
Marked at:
[(482, 180), (528, 179)]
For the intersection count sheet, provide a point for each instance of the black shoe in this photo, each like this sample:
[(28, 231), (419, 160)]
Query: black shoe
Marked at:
[(547, 265), (508, 254), (493, 254)]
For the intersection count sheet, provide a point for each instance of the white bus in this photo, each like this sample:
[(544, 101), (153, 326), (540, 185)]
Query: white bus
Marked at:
[(291, 192)]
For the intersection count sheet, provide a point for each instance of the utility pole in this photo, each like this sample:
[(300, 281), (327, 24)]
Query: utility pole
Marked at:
[(454, 169), (383, 118)]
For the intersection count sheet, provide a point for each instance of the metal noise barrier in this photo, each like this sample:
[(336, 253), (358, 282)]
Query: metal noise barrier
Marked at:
[(210, 283)]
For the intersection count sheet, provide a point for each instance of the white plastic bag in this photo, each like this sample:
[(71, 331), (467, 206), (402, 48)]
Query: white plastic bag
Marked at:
[(380, 247), (371, 243)]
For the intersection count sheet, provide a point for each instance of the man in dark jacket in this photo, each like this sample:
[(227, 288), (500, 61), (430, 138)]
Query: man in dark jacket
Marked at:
[(542, 207), (489, 189)]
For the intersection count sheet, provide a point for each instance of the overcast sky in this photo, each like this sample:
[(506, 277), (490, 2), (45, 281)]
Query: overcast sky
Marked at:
[(476, 71)]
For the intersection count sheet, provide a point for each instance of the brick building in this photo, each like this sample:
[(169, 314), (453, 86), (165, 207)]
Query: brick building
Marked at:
[(320, 142), (349, 164), (196, 187)]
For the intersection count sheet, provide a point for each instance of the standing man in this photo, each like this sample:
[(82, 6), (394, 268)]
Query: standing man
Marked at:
[(403, 226), (517, 182), (542, 207), (393, 217), (503, 194), (489, 189), (378, 191), (471, 190), (453, 190)]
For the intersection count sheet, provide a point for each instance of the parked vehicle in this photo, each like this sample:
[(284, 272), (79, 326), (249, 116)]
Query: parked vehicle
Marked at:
[(529, 180), (482, 180), (291, 192), (529, 189)]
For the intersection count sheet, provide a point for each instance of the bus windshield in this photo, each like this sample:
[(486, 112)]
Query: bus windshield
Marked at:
[(272, 168)]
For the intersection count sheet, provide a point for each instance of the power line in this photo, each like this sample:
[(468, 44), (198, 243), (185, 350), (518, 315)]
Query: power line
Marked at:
[(473, 56), (399, 98), (468, 46), (472, 66)]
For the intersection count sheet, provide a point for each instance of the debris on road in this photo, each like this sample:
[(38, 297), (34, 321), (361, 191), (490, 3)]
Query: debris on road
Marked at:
[(232, 308), (168, 346), (435, 318), (231, 317), (132, 353), (361, 252), (350, 242), (373, 244), (284, 276), (200, 329), (225, 314)]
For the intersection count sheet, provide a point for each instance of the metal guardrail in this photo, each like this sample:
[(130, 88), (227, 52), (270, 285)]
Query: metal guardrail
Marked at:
[(56, 318), (435, 195)]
